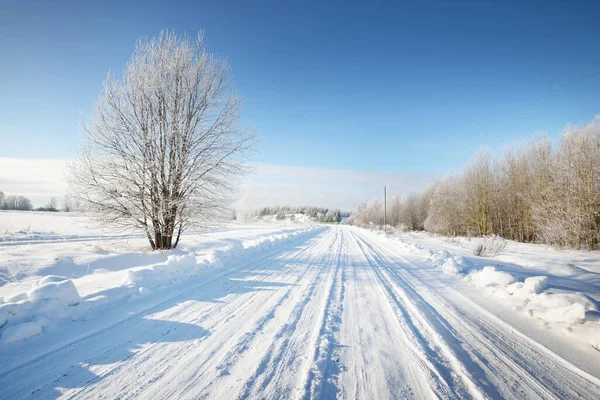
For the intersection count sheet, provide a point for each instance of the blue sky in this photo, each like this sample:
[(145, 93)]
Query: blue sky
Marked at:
[(383, 87)]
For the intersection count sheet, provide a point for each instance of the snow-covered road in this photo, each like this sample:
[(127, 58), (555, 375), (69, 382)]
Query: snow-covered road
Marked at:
[(338, 314)]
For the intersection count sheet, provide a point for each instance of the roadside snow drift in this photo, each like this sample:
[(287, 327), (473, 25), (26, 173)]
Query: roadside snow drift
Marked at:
[(574, 314), (53, 299)]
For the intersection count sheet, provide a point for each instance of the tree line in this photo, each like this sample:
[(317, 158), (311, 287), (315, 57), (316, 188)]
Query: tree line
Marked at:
[(15, 202), (532, 192), (22, 203), (322, 214)]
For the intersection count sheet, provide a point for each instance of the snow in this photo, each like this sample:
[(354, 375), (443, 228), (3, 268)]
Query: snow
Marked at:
[(53, 299), (451, 267), (536, 284), (21, 332), (54, 288), (569, 307), (282, 311), (488, 276)]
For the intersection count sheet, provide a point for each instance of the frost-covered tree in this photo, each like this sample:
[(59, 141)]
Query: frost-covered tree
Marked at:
[(368, 214), (67, 204), (447, 208), (164, 146), (245, 211), (531, 193), (523, 174), (19, 203), (409, 212), (52, 204), (568, 213), (1, 198)]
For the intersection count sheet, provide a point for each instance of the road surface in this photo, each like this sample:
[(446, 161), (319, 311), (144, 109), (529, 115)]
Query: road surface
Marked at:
[(337, 315)]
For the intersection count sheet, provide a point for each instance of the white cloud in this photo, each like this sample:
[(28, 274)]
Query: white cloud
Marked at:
[(36, 179), (269, 184)]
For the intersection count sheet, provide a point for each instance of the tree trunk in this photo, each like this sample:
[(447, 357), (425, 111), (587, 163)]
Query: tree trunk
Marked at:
[(149, 236), (164, 240), (178, 236)]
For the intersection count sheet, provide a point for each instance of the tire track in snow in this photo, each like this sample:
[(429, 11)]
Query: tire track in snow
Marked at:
[(427, 359), (43, 373), (322, 379), (503, 361), (230, 356), (212, 347), (287, 355)]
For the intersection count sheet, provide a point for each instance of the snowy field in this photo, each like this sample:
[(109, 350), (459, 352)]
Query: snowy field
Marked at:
[(291, 311)]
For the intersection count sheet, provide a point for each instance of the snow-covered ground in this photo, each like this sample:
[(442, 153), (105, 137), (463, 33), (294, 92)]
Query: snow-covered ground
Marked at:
[(294, 311)]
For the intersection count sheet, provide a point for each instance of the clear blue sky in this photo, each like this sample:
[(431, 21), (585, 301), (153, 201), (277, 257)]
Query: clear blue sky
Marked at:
[(375, 86)]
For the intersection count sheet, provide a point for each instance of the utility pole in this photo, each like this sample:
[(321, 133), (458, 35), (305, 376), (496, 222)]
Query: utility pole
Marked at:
[(384, 206)]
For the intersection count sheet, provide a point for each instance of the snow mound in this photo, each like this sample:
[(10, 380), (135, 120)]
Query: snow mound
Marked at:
[(449, 265), (535, 284), (50, 298), (51, 289), (488, 276), (568, 312)]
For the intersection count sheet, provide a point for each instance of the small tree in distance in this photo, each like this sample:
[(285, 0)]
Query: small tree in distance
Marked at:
[(19, 203), (67, 204), (52, 204), (163, 148)]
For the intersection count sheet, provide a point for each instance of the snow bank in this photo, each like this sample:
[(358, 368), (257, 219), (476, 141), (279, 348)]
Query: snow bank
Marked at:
[(575, 314), (447, 263), (571, 313), (51, 298), (488, 276), (55, 298), (451, 267), (54, 288)]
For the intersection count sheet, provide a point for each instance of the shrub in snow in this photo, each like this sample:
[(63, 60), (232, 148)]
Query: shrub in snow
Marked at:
[(490, 246), (488, 276), (21, 332)]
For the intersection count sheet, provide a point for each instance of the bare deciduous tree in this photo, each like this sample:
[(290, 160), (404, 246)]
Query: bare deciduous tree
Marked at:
[(67, 204), (446, 213), (20, 203), (479, 182), (245, 210), (52, 203), (569, 211), (164, 147)]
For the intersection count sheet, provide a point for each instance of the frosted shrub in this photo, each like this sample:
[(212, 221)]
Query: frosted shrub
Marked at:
[(490, 246)]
